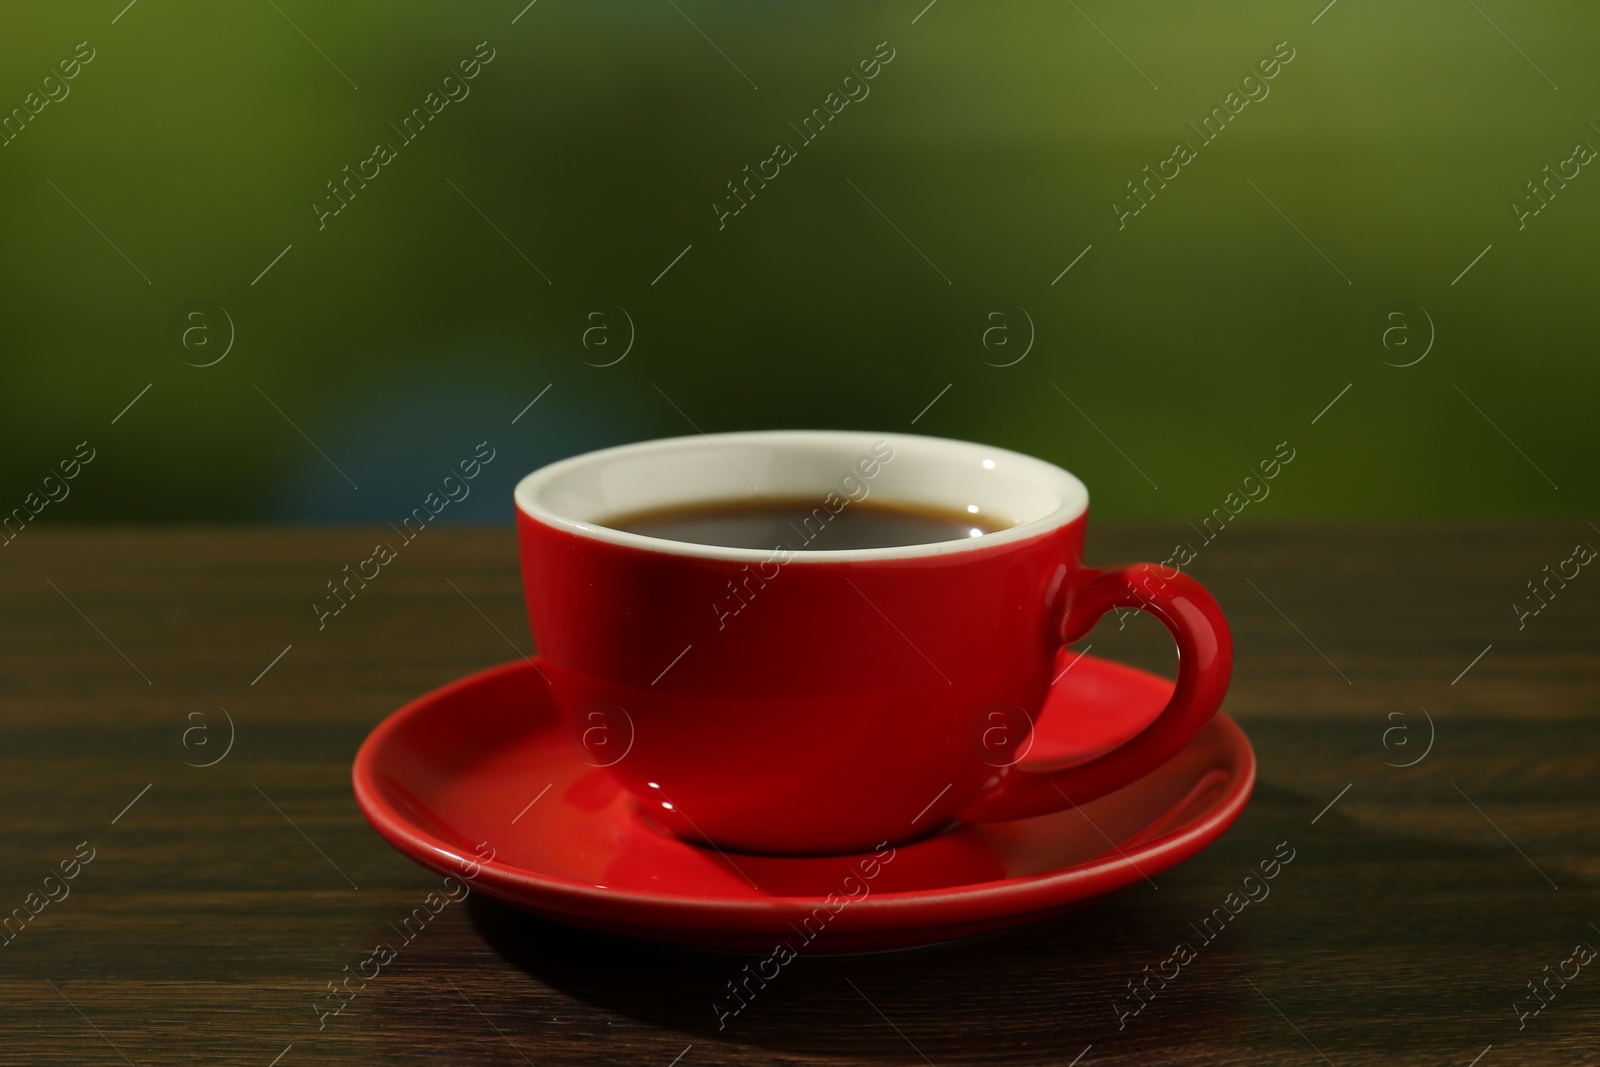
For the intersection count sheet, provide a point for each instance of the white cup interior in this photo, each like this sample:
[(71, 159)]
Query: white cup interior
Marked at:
[(1024, 494)]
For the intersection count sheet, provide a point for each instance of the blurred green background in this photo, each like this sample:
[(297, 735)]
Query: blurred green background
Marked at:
[(1175, 354)]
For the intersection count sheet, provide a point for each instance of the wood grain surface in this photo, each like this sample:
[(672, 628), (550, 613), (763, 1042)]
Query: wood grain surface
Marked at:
[(1421, 902)]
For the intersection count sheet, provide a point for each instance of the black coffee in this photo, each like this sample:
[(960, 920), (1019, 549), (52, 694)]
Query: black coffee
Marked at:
[(804, 524)]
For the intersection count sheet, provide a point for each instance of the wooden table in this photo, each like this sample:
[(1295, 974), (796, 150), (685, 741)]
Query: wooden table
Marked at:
[(221, 899)]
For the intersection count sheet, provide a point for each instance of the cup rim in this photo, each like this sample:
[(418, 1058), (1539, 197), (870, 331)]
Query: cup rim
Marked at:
[(1073, 497)]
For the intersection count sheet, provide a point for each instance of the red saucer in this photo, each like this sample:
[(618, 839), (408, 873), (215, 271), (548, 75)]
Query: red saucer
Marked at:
[(461, 765)]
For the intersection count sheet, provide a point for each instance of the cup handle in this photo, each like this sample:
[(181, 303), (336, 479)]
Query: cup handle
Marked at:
[(1205, 663)]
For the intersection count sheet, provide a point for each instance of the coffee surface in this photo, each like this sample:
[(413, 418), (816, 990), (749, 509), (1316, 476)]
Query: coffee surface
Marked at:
[(803, 524)]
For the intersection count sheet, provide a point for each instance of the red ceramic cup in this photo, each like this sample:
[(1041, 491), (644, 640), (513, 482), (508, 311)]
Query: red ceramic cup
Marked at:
[(796, 701)]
